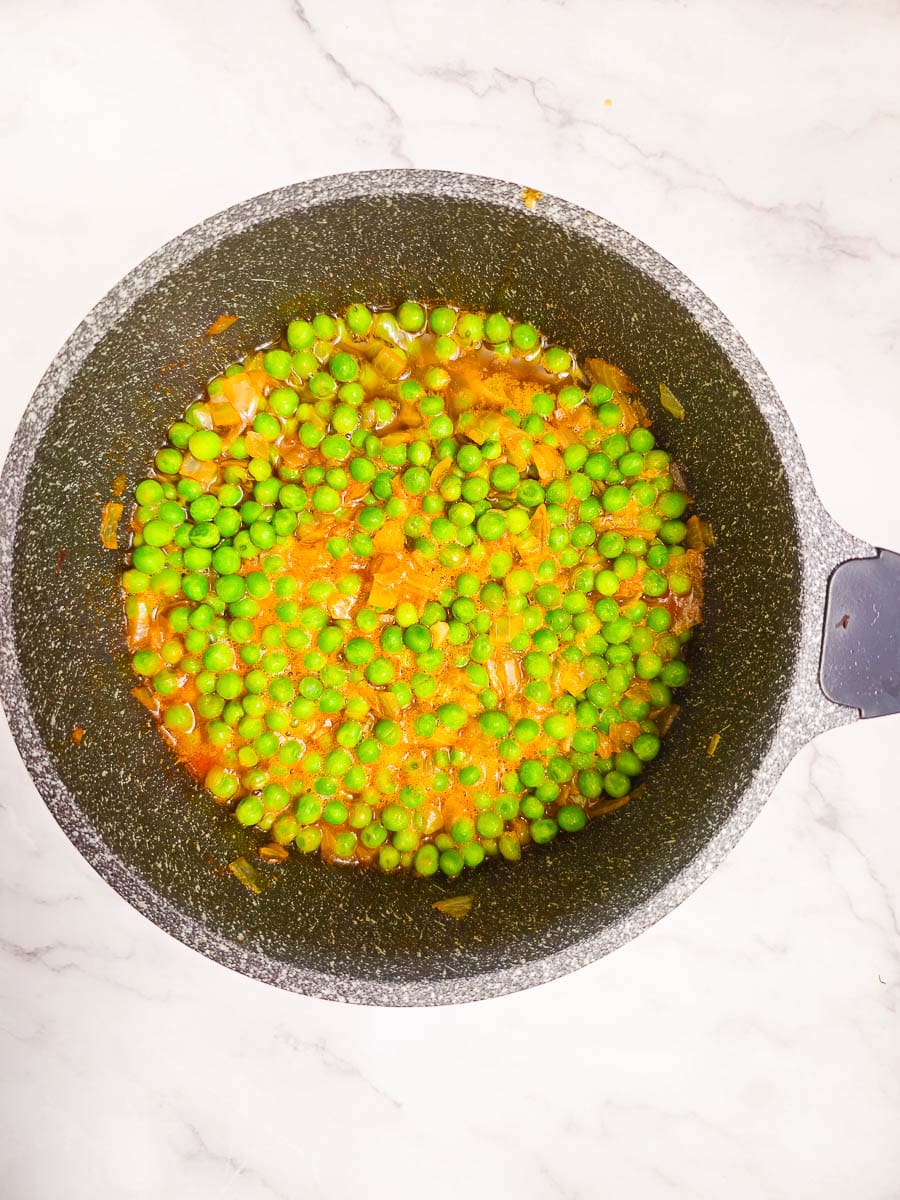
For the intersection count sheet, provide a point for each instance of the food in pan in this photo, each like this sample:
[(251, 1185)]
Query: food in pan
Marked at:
[(412, 589)]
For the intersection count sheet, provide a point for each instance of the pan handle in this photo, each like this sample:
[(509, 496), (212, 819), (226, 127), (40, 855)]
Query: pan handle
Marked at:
[(860, 662)]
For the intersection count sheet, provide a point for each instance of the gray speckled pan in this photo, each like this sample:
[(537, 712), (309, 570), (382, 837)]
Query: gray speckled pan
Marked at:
[(160, 840)]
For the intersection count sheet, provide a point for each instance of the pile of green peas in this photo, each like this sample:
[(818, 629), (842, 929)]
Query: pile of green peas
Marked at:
[(516, 679)]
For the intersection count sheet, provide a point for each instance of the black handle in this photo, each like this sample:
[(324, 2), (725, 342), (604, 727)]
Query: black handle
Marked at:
[(860, 664)]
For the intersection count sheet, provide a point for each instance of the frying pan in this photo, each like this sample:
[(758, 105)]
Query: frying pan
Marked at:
[(788, 647)]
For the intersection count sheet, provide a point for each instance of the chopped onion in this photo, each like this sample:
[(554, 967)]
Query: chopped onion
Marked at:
[(671, 403), (455, 906), (245, 873), (109, 525)]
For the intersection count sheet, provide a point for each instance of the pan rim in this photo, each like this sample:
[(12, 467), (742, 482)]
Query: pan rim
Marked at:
[(822, 545)]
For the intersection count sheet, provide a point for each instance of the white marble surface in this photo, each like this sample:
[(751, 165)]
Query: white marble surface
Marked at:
[(748, 1045)]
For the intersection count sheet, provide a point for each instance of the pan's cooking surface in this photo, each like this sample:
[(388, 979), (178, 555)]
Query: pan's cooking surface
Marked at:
[(122, 379)]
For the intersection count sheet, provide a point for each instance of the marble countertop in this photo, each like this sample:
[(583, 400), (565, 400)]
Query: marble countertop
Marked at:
[(747, 1046)]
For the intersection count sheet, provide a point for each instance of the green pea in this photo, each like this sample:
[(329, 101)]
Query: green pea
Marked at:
[(308, 840), (654, 584), (373, 835), (674, 674), (392, 639), (442, 320), (570, 397), (557, 361), (158, 533), (283, 402), (221, 783), (616, 785), (148, 559), (416, 480), (330, 639), (394, 818), (205, 445), (609, 414), (300, 335), (308, 810), (267, 426), (411, 316), (672, 504), (492, 525), (325, 499), (571, 818), (436, 378), (648, 665), (473, 854), (344, 367), (543, 831), (249, 810), (537, 665), (505, 478), (331, 701), (451, 863), (524, 336), (426, 860), (388, 858), (646, 746), (380, 672), (615, 498), (462, 831), (359, 651), (322, 385), (387, 732), (323, 328), (359, 319), (277, 363), (452, 715), (494, 724), (228, 522), (440, 426), (219, 657), (497, 328), (560, 769), (146, 662), (168, 461), (526, 730), (673, 532), (417, 638), (305, 363), (335, 447), (205, 535), (470, 328), (468, 459), (284, 830), (658, 620), (334, 813), (631, 464), (489, 825), (149, 492), (575, 456)]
